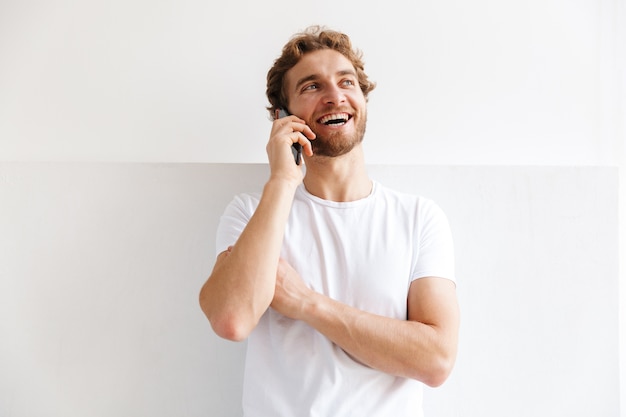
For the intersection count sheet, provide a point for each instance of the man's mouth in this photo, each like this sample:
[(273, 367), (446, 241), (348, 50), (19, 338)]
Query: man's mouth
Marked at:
[(335, 119)]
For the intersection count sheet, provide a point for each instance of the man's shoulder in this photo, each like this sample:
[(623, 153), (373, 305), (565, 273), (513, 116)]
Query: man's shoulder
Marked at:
[(386, 192), (247, 198), (244, 203), (410, 201)]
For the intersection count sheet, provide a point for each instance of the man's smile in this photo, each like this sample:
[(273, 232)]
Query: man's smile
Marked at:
[(334, 119)]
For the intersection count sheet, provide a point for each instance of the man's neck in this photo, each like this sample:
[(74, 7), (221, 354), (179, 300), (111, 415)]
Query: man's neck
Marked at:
[(340, 179)]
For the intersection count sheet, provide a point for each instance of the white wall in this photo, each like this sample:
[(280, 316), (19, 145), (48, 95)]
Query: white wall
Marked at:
[(484, 82), (481, 83)]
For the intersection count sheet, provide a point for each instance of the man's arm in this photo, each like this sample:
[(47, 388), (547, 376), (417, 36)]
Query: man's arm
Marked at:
[(241, 285), (422, 347)]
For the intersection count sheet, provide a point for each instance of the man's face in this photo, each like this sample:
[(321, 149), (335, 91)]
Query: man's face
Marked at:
[(323, 89)]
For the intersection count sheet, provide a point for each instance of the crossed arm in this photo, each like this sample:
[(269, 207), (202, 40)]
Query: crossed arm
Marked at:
[(423, 347)]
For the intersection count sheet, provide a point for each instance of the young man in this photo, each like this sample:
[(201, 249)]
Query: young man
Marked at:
[(344, 289)]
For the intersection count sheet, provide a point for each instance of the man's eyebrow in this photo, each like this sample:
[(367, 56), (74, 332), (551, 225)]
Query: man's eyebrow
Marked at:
[(306, 79), (314, 77)]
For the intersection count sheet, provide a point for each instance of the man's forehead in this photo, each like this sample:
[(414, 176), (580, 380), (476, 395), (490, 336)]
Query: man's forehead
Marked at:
[(318, 64)]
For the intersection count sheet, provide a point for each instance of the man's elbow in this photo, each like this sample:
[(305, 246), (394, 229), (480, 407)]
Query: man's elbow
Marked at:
[(439, 372), (230, 328), (226, 325)]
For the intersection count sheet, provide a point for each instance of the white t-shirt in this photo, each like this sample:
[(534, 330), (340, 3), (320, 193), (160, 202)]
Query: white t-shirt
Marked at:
[(364, 253)]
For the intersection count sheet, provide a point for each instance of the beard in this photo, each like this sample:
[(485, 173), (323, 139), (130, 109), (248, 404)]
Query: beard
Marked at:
[(339, 143)]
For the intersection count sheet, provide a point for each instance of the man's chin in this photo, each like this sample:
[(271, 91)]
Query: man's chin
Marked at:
[(334, 146), (338, 143)]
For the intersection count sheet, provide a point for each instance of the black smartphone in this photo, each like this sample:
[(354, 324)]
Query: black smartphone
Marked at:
[(296, 148)]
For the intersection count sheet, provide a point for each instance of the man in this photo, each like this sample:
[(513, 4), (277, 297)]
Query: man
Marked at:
[(344, 289)]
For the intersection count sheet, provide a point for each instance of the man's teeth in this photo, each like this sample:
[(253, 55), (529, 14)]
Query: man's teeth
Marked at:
[(339, 118)]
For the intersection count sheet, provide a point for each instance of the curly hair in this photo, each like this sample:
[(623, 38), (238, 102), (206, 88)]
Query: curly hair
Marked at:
[(314, 38)]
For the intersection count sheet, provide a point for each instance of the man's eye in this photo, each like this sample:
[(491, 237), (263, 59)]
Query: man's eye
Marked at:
[(310, 87), (348, 82)]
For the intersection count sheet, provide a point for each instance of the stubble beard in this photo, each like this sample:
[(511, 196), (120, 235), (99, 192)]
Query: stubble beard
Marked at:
[(339, 143)]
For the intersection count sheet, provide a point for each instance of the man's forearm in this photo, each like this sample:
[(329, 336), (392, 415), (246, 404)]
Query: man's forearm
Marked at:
[(422, 347), (400, 347), (242, 283)]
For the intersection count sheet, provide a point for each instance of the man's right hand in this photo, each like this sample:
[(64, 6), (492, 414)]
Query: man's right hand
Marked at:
[(285, 132)]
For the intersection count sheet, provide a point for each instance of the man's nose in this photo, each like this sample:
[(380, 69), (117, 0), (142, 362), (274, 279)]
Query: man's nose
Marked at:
[(334, 95)]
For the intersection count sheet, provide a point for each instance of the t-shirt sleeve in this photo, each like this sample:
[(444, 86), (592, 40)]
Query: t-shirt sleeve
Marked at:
[(435, 247), (234, 220)]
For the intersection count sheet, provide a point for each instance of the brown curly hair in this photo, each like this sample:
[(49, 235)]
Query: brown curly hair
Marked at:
[(314, 38)]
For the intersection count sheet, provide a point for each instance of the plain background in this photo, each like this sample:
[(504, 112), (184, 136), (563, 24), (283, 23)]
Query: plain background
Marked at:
[(485, 83)]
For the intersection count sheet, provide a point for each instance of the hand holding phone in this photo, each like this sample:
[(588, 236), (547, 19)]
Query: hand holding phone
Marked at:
[(296, 148)]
